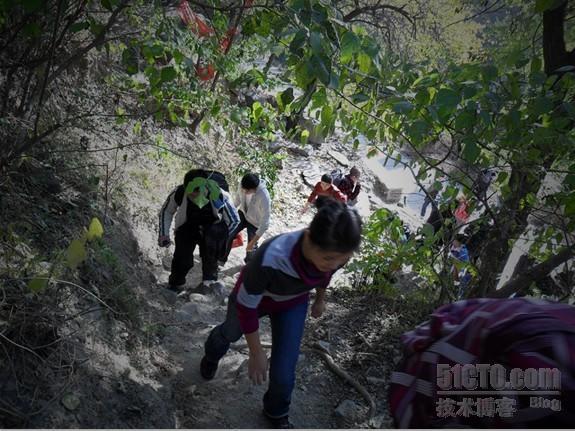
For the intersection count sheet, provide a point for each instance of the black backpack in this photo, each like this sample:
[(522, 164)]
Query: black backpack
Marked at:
[(336, 176), (218, 177)]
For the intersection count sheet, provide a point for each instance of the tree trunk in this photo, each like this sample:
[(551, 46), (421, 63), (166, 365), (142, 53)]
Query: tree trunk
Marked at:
[(293, 120), (524, 279), (555, 53)]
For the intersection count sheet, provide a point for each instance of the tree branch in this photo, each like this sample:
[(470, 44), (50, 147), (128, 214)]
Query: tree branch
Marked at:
[(521, 282), (375, 8)]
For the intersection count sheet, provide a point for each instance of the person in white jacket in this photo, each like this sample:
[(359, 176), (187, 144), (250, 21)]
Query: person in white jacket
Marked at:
[(254, 207)]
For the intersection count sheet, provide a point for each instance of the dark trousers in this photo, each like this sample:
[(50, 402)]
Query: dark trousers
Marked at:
[(287, 332), (243, 225), (211, 239)]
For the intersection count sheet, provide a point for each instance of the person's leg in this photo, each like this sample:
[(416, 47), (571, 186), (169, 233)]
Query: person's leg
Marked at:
[(223, 335), (183, 259), (287, 332), (251, 232), (213, 240), (426, 203)]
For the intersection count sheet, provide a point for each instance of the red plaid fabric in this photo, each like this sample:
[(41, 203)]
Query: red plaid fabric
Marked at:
[(516, 333)]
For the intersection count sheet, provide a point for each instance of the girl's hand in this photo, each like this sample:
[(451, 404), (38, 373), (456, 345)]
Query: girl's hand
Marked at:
[(258, 367), (317, 308)]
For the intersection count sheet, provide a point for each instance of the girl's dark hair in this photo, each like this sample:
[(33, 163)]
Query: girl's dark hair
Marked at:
[(250, 181), (326, 178), (336, 227)]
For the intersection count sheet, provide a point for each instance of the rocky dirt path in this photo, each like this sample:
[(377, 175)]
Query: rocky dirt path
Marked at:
[(320, 399)]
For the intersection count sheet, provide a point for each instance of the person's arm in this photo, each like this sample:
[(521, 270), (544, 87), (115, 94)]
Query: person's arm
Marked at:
[(311, 199), (318, 306), (336, 193), (355, 192), (253, 280), (258, 361), (264, 222), (166, 216)]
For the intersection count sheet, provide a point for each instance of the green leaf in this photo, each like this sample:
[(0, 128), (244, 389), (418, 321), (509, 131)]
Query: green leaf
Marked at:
[(489, 73), (471, 151), (544, 5), (130, 61), (569, 181), (350, 44), (402, 107), (427, 231), (359, 98), (304, 136), (257, 110), (79, 26), (536, 65), (321, 69), (108, 4), (315, 43), (542, 105), (32, 5), (364, 62), (447, 99), (75, 254), (372, 152), (570, 207), (422, 97), (287, 96), (304, 73), (297, 42), (168, 74), (137, 128), (37, 285), (236, 116), (95, 230), (205, 127), (465, 120), (417, 130), (32, 30), (333, 80)]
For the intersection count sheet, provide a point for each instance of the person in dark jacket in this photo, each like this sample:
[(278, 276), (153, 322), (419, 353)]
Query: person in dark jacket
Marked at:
[(350, 186), (204, 216), (276, 283)]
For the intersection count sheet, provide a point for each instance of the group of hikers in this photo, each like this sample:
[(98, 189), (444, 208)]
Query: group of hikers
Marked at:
[(278, 276), (455, 219)]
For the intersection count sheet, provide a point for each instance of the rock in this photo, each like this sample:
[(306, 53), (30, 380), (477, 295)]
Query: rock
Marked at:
[(324, 345), (375, 380), (298, 150), (348, 410), (218, 289), (380, 421), (198, 297), (70, 401), (339, 158)]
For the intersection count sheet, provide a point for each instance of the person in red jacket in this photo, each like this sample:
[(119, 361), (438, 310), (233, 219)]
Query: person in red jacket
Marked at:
[(324, 189)]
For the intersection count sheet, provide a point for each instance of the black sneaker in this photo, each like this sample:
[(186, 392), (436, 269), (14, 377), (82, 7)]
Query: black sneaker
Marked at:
[(279, 423), (208, 368), (176, 289)]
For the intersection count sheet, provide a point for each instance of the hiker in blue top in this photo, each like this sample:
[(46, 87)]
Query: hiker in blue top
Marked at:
[(459, 252), (205, 216)]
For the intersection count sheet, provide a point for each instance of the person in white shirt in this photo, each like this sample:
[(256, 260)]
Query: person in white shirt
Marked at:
[(254, 208)]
